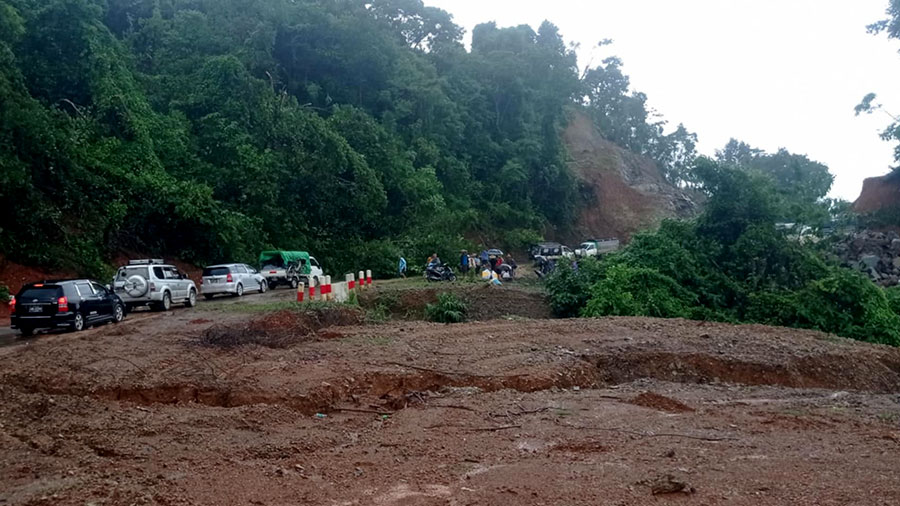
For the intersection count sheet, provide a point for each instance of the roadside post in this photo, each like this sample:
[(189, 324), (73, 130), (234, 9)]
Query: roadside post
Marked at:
[(301, 289), (326, 289), (369, 278), (362, 280), (351, 283), (312, 290)]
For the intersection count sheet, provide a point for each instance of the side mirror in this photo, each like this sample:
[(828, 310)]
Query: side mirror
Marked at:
[(108, 287)]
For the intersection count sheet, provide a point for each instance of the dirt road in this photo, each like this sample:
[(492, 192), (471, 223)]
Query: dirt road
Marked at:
[(513, 411)]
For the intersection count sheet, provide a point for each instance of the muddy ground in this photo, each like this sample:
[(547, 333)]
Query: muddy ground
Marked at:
[(624, 411)]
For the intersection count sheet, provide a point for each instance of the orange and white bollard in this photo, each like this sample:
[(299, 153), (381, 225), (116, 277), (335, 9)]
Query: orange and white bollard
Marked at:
[(369, 278), (301, 289), (362, 280)]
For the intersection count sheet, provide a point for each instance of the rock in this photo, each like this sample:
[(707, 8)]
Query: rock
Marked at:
[(668, 484), (869, 262)]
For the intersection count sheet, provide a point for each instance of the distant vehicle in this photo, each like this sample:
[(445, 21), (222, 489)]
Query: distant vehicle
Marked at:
[(597, 247), (554, 251), (71, 304), (290, 268), (231, 279), (154, 283)]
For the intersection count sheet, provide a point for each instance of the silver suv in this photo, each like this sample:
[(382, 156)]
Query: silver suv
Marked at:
[(155, 284)]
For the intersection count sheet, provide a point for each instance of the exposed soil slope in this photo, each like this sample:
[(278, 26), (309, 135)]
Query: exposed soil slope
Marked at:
[(625, 191), (878, 193), (582, 412)]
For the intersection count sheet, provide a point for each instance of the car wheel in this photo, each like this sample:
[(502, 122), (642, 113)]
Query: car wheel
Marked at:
[(272, 285), (263, 286), (239, 292), (192, 299), (166, 303), (26, 332), (294, 283), (208, 296), (118, 313), (78, 323)]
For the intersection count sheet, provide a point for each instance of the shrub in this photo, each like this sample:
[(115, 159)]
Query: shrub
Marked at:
[(570, 289), (638, 291), (448, 309), (4, 293), (893, 298), (849, 305)]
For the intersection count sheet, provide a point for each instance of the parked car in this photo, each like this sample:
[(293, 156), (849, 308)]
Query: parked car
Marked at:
[(290, 268), (597, 247), (231, 279), (71, 304), (154, 283)]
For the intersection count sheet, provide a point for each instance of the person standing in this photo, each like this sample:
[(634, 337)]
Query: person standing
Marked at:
[(402, 267), (464, 262)]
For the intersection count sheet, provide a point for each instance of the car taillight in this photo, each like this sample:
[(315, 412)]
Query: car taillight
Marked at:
[(12, 305), (152, 287), (63, 304), (273, 272), (229, 279)]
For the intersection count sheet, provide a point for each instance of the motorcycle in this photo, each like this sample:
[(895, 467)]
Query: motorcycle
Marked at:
[(439, 273)]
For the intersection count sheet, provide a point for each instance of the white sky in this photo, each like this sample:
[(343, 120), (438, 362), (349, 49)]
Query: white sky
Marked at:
[(773, 73)]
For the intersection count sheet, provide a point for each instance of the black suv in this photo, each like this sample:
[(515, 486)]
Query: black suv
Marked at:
[(73, 304)]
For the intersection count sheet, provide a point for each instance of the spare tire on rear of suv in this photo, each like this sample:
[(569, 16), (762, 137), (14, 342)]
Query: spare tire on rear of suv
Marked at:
[(136, 286)]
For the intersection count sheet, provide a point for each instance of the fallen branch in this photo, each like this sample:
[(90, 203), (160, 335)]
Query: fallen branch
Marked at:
[(492, 429)]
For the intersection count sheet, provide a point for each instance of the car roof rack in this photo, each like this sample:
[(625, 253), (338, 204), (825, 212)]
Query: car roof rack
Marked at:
[(147, 261)]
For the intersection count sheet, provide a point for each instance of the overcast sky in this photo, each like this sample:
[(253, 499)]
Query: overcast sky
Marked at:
[(773, 73)]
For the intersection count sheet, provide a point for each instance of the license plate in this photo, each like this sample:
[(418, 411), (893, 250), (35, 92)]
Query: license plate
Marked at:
[(35, 309)]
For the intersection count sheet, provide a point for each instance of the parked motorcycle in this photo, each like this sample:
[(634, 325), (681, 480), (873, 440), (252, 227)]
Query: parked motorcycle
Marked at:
[(439, 273)]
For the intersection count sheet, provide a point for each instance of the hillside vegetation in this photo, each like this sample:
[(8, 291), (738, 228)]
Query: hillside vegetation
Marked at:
[(211, 129), (732, 265)]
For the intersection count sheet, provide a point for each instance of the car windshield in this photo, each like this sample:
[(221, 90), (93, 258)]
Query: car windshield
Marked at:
[(127, 272), (41, 293), (215, 271)]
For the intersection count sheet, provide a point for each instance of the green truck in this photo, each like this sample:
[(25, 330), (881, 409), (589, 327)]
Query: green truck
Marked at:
[(290, 268)]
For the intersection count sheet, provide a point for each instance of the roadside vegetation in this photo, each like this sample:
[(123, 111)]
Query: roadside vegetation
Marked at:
[(448, 309), (731, 264)]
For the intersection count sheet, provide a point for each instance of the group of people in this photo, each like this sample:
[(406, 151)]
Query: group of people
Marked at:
[(496, 266), (484, 261)]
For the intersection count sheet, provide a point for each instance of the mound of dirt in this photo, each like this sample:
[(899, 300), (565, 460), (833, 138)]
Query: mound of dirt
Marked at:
[(485, 302), (624, 192), (282, 329)]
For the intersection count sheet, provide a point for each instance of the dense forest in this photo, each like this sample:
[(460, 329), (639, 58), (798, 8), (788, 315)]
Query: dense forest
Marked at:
[(359, 130), (209, 130)]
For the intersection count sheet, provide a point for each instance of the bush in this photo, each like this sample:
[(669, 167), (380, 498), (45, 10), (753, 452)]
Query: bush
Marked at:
[(637, 291), (4, 293), (893, 298), (570, 289), (849, 305), (448, 309)]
